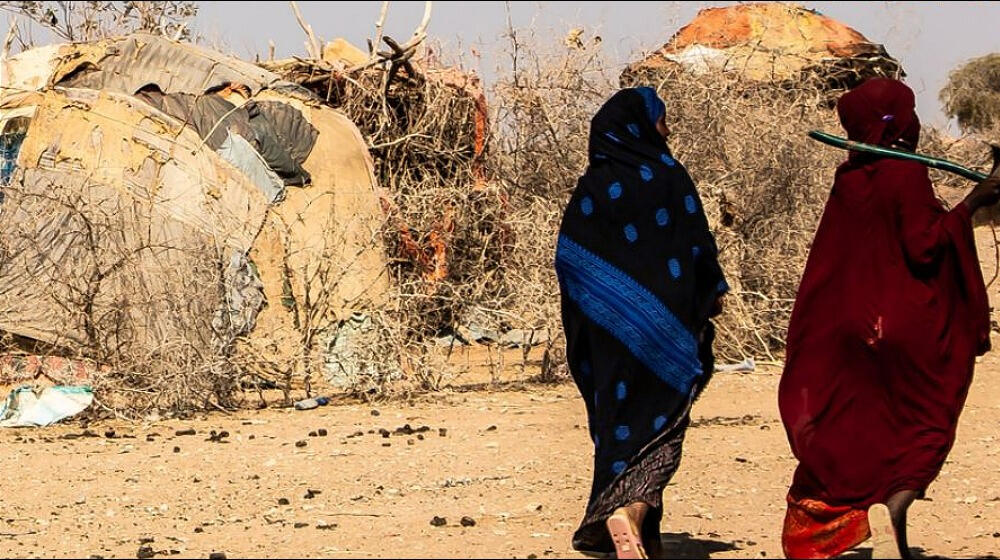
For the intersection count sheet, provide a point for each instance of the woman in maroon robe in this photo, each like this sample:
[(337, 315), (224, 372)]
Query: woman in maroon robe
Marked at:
[(889, 318)]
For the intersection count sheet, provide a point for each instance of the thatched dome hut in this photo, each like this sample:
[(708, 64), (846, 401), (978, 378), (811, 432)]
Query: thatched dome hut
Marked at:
[(771, 42)]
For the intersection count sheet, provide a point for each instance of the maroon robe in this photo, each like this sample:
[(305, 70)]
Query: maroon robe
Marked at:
[(888, 320)]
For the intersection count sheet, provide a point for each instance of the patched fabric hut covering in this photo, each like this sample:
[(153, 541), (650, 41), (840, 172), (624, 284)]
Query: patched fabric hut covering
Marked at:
[(769, 41), (126, 160), (127, 64)]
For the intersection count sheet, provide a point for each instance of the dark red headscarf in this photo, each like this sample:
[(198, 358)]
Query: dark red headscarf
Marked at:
[(881, 111)]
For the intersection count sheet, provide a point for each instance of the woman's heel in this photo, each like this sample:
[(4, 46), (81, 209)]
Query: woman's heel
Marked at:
[(884, 543), (625, 535)]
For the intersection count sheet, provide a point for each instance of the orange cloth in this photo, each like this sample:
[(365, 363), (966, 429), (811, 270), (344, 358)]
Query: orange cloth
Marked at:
[(814, 529)]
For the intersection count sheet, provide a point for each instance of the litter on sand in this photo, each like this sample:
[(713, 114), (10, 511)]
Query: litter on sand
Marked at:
[(23, 408)]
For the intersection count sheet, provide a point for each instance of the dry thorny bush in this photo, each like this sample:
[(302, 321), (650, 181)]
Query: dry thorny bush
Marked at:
[(763, 182), (543, 100), (446, 230), (471, 239), (89, 20), (493, 227), (113, 294), (442, 229)]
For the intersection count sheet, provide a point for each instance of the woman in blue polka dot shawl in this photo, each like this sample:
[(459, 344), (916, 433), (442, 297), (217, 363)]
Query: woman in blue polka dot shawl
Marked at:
[(639, 277)]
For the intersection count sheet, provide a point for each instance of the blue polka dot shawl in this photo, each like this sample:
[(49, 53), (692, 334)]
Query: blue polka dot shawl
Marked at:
[(635, 253)]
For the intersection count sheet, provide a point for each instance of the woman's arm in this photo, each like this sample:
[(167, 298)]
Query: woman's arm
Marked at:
[(923, 224)]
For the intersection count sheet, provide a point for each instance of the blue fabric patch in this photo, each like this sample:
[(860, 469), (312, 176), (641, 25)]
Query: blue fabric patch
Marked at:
[(646, 173), (690, 205), (695, 251), (675, 268), (585, 368), (597, 440), (587, 206), (612, 137), (634, 129), (669, 161), (620, 391), (618, 467), (615, 190), (654, 105), (662, 217), (723, 287), (658, 422), (599, 155), (630, 313), (631, 233), (10, 147), (622, 433)]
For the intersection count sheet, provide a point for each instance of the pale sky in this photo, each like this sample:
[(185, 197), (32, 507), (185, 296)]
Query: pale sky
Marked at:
[(930, 38)]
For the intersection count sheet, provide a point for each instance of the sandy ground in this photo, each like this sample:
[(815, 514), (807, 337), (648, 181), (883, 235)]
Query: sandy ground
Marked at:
[(517, 464)]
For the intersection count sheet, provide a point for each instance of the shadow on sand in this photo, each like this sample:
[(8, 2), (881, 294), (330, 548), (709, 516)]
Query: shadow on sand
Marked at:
[(683, 546)]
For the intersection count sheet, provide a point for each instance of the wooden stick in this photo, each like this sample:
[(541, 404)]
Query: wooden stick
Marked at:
[(313, 45), (420, 33), (11, 32), (180, 31), (378, 28)]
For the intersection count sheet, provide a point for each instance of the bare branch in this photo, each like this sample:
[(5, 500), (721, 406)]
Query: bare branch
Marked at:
[(9, 40), (313, 46), (373, 45), (180, 32), (86, 21)]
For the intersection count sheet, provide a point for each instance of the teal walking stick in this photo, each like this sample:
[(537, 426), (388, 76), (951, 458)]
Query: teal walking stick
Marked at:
[(936, 163)]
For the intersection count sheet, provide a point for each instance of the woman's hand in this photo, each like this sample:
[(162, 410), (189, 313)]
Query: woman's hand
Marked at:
[(986, 193)]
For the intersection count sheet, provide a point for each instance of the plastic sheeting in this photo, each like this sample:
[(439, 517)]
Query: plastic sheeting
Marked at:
[(12, 133), (277, 131), (236, 150), (351, 353), (244, 300), (130, 63), (157, 208), (25, 409), (10, 146)]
